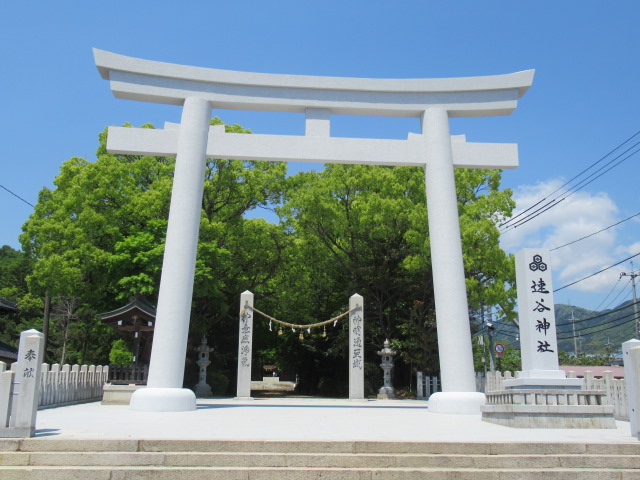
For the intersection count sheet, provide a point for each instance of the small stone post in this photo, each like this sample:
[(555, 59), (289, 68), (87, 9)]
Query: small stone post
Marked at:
[(203, 389), (245, 338), (631, 357), (356, 348), (387, 392), (420, 386), (27, 386)]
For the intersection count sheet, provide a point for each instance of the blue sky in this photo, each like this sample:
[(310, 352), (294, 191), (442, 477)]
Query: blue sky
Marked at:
[(584, 100)]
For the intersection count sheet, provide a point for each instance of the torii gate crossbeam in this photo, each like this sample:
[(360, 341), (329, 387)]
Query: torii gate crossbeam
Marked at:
[(201, 89)]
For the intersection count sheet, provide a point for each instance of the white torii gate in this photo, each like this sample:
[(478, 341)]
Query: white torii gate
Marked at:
[(200, 90)]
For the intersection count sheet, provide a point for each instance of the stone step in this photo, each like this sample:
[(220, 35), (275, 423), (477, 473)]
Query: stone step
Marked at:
[(98, 459), (257, 473), (318, 447), (306, 460)]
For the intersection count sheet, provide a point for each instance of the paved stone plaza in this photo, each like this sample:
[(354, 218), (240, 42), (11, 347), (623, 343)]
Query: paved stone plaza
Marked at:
[(301, 419)]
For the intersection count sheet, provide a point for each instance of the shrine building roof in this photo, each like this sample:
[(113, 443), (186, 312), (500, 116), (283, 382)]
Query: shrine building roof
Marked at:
[(137, 315)]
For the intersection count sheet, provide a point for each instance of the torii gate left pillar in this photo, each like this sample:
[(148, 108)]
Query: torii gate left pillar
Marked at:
[(199, 89)]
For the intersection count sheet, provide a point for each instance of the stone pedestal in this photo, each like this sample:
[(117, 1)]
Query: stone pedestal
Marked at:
[(119, 394), (542, 396), (548, 408)]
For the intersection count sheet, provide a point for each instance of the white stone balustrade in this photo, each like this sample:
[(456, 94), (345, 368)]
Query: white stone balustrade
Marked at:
[(615, 389), (64, 385)]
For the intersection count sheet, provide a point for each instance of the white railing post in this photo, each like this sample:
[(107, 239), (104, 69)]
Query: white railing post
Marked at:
[(631, 356)]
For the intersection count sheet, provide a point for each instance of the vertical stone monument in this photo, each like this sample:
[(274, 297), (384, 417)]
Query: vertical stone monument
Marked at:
[(356, 348), (537, 319), (245, 339), (541, 396), (21, 413)]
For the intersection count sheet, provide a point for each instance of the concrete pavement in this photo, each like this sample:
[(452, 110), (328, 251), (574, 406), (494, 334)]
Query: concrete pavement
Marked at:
[(301, 419)]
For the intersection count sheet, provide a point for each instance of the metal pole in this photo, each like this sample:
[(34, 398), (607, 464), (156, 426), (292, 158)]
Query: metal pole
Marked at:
[(45, 324), (633, 276), (575, 340)]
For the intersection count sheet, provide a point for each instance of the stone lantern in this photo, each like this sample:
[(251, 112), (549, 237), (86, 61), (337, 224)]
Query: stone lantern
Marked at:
[(203, 389), (386, 391)]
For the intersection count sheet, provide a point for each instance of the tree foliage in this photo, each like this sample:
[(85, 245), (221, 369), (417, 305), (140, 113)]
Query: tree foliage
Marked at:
[(98, 237)]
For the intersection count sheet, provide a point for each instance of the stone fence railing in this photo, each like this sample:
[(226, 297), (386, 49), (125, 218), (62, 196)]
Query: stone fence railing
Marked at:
[(68, 384), (615, 388)]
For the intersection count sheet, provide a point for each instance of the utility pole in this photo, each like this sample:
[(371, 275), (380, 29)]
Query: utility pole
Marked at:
[(633, 276), (490, 329), (575, 339)]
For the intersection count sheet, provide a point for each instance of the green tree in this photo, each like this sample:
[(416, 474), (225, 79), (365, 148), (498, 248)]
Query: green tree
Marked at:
[(364, 229), (120, 353), (98, 237), (15, 266)]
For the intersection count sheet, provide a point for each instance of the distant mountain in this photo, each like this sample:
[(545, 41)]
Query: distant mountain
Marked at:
[(596, 329)]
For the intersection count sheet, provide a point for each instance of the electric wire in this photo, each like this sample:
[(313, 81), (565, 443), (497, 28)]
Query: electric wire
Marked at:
[(610, 292), (595, 233), (17, 196), (572, 179), (607, 322), (509, 225), (582, 334), (619, 293), (570, 192), (581, 320), (596, 273)]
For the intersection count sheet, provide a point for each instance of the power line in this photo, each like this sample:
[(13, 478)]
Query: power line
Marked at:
[(618, 295), (605, 298), (572, 179), (595, 233), (580, 320), (604, 329), (17, 196), (612, 320), (554, 201), (596, 273)]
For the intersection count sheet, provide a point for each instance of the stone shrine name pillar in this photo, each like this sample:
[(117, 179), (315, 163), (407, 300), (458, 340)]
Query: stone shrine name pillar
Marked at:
[(356, 348), (245, 342), (537, 319)]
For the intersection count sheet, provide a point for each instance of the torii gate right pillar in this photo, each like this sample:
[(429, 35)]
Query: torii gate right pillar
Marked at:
[(452, 313)]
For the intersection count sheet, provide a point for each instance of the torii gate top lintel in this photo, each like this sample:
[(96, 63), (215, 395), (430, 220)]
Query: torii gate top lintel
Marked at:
[(160, 82)]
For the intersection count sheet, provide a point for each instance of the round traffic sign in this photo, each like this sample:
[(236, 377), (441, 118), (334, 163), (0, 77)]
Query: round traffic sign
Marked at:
[(499, 348)]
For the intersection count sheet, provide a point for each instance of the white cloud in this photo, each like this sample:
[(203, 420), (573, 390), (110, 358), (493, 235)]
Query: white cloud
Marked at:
[(579, 215)]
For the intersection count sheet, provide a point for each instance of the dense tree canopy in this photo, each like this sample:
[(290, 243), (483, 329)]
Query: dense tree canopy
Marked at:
[(97, 238)]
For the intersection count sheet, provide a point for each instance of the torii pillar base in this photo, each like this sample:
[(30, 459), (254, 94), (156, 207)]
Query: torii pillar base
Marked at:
[(163, 400), (457, 403)]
